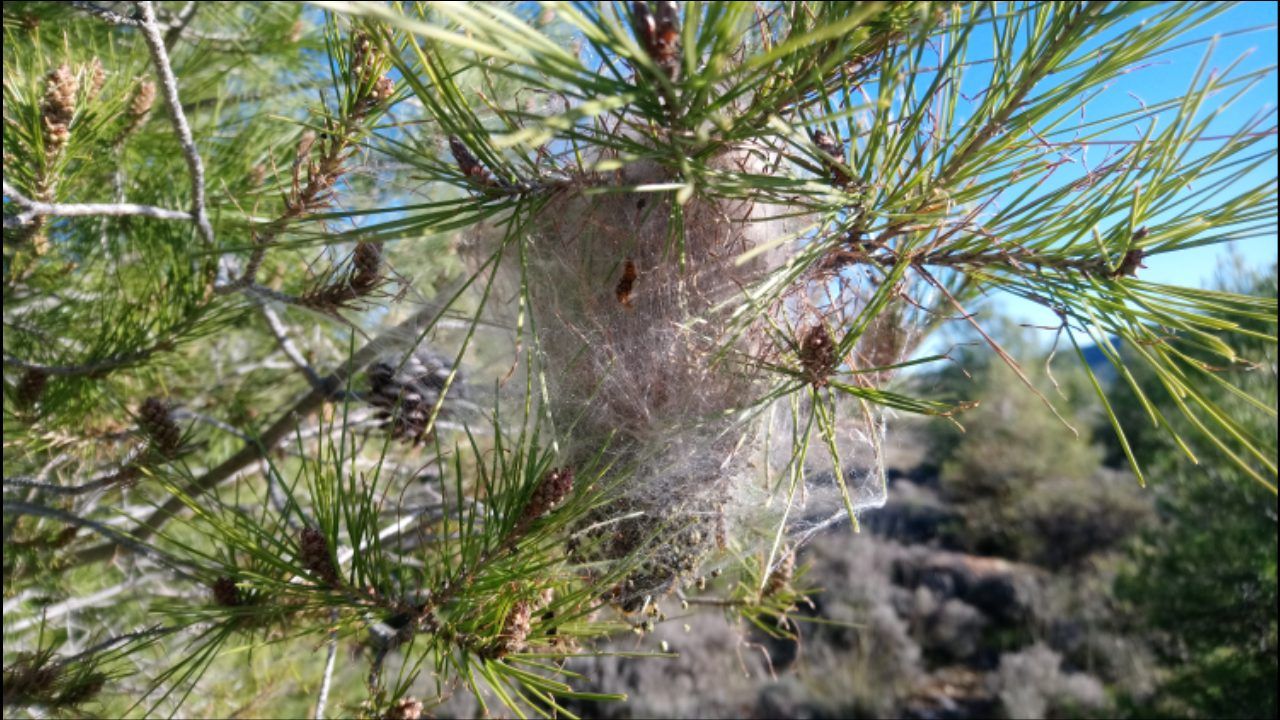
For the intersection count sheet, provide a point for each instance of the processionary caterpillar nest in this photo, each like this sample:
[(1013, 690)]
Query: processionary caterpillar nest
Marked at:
[(632, 296)]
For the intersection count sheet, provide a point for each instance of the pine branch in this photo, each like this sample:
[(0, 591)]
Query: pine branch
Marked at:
[(277, 432)]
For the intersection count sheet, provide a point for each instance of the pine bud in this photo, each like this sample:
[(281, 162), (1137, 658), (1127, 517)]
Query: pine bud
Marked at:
[(143, 99), (554, 487), (1133, 258), (156, 422), (383, 89), (818, 354), (314, 556)]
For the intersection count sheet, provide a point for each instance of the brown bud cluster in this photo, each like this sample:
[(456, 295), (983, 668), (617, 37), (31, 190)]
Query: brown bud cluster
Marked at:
[(409, 708), (515, 630), (818, 354), (373, 88), (42, 679), (58, 108), (554, 487), (314, 556), (158, 424), (659, 33)]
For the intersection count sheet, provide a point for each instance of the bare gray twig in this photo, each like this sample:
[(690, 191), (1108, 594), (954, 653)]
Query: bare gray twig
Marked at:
[(286, 345), (32, 209), (169, 86), (328, 668)]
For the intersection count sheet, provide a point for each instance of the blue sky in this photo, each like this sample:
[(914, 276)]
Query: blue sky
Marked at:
[(1197, 266)]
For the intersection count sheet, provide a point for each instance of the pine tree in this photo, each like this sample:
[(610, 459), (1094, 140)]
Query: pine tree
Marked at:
[(467, 334)]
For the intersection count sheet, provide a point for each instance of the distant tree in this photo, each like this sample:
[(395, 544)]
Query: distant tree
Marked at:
[(1203, 582)]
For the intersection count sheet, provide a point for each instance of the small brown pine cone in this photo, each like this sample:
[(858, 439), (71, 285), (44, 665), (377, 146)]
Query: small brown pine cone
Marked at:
[(409, 708), (818, 354), (367, 264), (554, 487), (58, 107), (314, 555), (226, 593), (31, 387), (515, 630), (156, 422)]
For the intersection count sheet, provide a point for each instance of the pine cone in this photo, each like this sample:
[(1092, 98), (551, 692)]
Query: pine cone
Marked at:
[(155, 421), (367, 267), (554, 487), (314, 556), (407, 395)]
